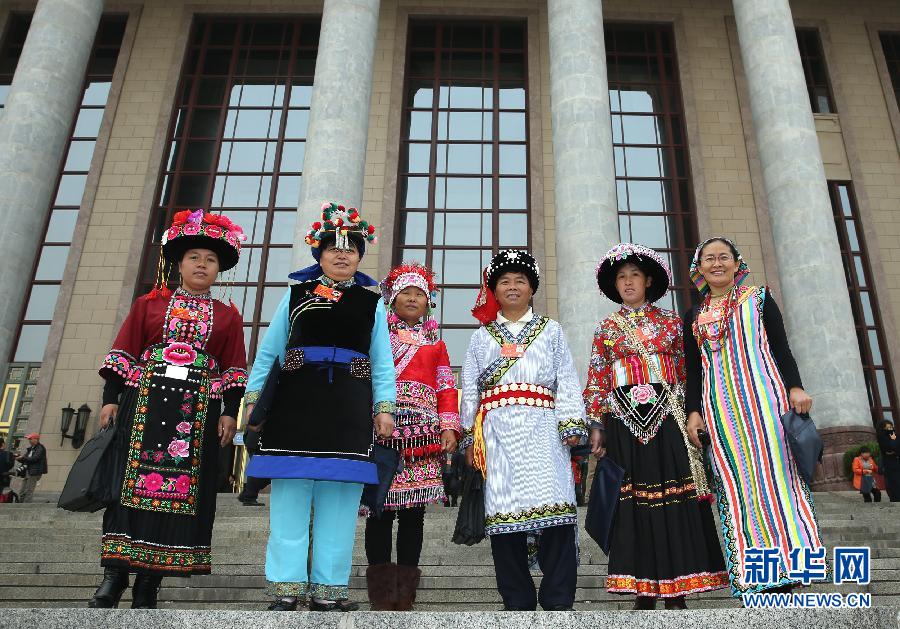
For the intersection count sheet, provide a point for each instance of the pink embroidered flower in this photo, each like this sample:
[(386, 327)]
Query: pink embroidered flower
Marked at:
[(185, 408), (213, 231), (179, 354), (158, 456), (183, 484), (153, 482), (178, 448), (144, 456), (232, 239), (173, 232), (184, 427), (642, 394), (191, 229)]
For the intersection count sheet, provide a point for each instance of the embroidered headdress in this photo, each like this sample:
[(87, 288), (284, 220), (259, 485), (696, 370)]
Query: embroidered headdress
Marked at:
[(201, 230), (740, 276), (406, 275), (646, 259), (507, 260), (342, 226)]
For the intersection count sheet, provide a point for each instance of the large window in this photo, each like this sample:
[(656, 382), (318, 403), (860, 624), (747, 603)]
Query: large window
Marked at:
[(51, 262), (237, 141), (866, 313), (890, 44), (463, 186), (11, 49), (816, 72), (653, 185)]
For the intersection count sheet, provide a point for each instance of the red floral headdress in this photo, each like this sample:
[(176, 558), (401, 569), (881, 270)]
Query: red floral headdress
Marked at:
[(406, 275), (341, 221)]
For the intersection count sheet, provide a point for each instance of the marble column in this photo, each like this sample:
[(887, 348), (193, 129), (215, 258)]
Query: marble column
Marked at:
[(34, 128), (334, 165), (814, 297), (586, 218)]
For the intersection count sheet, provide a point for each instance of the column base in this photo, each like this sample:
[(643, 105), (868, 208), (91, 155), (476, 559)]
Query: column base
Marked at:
[(838, 439)]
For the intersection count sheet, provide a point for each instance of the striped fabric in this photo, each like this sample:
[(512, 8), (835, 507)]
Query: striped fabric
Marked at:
[(633, 370), (762, 500)]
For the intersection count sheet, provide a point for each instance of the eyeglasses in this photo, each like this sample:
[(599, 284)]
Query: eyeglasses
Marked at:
[(723, 258)]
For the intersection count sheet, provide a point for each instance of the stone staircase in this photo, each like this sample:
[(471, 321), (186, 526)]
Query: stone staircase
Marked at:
[(49, 558)]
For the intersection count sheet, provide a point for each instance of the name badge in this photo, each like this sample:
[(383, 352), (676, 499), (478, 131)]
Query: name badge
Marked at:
[(177, 373), (328, 293), (409, 337), (710, 316), (512, 350)]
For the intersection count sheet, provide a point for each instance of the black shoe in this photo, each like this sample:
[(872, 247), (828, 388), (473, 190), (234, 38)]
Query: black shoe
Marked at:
[(251, 502), (336, 606), (559, 608), (145, 591), (108, 594), (286, 604)]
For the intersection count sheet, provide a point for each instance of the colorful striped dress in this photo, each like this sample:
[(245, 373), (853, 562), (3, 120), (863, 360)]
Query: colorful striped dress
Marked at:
[(739, 371)]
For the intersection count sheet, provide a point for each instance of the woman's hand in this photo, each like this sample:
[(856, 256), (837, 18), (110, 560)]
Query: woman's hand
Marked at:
[(227, 428), (598, 439), (448, 440), (108, 414), (695, 423), (384, 425), (800, 400)]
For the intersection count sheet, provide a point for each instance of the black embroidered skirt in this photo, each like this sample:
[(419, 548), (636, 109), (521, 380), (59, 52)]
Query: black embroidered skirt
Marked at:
[(162, 543), (664, 541)]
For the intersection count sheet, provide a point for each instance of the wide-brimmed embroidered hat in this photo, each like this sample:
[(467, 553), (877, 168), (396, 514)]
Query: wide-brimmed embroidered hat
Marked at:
[(740, 276), (647, 260), (201, 230)]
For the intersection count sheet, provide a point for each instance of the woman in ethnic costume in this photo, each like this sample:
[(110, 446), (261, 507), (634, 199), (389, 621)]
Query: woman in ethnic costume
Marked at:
[(331, 336), (427, 426), (741, 378), (522, 410), (664, 542), (174, 382)]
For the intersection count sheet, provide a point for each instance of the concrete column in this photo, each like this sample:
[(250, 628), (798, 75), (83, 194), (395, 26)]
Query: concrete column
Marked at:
[(814, 296), (34, 128), (587, 222), (335, 160)]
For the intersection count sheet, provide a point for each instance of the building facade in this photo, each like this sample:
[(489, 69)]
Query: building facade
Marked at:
[(460, 127)]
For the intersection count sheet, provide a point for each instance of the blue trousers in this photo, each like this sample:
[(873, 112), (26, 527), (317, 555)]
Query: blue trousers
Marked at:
[(334, 507)]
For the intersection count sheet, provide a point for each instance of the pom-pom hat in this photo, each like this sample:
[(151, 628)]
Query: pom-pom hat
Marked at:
[(340, 221), (406, 275), (200, 230), (646, 259)]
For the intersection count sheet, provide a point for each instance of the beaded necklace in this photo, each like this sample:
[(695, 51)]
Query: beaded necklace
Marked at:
[(715, 330)]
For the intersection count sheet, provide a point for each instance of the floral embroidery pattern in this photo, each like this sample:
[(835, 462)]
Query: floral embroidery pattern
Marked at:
[(642, 394), (139, 554), (179, 354)]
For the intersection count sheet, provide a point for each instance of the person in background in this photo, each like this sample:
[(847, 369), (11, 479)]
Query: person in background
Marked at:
[(864, 470), (7, 461), (890, 459), (452, 476), (35, 462)]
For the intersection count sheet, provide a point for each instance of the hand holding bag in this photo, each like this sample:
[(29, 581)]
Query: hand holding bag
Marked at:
[(805, 443)]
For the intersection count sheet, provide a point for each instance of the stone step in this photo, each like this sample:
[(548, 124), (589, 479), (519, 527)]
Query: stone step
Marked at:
[(874, 618)]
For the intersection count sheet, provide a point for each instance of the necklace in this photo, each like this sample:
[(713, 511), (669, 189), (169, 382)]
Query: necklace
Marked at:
[(715, 329)]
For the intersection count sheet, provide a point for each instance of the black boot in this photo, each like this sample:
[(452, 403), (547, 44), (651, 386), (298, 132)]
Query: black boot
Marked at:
[(115, 581), (145, 591)]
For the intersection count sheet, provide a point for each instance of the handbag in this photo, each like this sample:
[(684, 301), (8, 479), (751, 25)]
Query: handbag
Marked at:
[(387, 461), (470, 519), (603, 502), (91, 484), (804, 441)]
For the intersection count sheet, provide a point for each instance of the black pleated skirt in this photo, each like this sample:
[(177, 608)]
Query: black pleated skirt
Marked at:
[(664, 541)]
